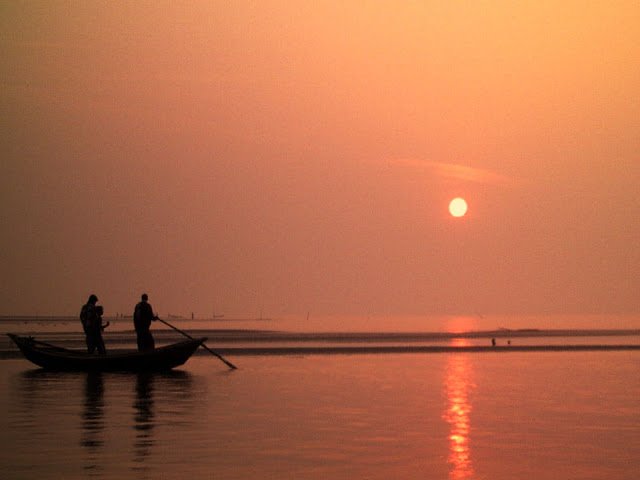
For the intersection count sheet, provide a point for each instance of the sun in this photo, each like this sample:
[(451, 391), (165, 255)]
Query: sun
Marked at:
[(458, 207)]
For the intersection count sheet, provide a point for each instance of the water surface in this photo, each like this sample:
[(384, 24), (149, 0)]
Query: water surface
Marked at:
[(545, 415)]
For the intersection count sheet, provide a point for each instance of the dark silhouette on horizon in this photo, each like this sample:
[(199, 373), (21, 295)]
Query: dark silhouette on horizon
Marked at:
[(142, 318), (91, 319)]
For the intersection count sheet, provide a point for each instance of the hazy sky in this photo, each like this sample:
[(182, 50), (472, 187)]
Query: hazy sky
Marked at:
[(288, 157)]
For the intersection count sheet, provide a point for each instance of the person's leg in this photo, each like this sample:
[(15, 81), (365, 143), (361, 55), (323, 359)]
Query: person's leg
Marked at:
[(145, 341), (91, 341), (87, 338), (100, 343)]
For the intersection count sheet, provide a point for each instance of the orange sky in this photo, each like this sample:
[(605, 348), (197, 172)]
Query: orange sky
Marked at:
[(292, 157)]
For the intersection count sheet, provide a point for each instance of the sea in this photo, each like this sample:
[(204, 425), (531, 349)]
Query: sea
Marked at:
[(341, 397)]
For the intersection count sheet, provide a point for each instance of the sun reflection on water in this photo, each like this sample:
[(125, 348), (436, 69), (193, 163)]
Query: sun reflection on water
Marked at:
[(458, 388)]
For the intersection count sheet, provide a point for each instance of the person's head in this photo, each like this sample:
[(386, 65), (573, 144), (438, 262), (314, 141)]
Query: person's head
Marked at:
[(92, 299), (99, 310), (144, 297)]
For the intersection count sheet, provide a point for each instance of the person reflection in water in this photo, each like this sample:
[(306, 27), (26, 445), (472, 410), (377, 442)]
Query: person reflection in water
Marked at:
[(142, 317), (91, 319), (93, 422), (144, 417)]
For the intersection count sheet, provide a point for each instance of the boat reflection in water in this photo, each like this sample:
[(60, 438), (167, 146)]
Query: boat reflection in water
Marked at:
[(458, 388)]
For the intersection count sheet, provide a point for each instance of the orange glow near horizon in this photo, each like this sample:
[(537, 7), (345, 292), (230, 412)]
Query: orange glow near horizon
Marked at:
[(458, 386), (461, 324)]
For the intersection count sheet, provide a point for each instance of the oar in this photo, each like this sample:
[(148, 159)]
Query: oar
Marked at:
[(228, 363)]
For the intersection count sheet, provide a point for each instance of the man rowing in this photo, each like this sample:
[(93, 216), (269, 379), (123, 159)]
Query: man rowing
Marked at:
[(142, 317)]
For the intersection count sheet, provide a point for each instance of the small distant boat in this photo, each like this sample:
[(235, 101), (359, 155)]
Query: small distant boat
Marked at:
[(52, 357)]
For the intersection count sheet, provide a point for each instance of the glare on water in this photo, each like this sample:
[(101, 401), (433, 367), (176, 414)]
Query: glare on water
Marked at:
[(458, 387)]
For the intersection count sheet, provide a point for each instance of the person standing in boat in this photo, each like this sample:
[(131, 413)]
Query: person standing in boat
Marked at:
[(142, 318), (91, 319), (98, 327)]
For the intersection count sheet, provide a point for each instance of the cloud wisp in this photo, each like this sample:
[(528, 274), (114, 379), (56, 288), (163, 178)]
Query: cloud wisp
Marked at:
[(453, 171)]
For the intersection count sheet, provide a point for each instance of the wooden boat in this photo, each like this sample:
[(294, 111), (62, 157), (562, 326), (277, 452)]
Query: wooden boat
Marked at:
[(56, 358)]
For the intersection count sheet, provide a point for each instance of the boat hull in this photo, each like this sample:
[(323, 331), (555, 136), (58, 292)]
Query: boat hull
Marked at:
[(51, 357)]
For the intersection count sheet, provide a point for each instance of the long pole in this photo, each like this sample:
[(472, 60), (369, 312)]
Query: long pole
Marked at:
[(228, 363)]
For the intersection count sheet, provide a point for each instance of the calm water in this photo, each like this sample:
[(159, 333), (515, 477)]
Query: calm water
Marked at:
[(547, 415), (543, 415)]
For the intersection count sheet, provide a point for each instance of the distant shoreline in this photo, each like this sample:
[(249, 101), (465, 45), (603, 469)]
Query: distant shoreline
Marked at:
[(286, 351), (225, 335), (277, 336)]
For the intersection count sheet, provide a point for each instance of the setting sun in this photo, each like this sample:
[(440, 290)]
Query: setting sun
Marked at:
[(458, 207)]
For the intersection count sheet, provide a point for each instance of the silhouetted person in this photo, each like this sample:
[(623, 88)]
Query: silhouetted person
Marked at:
[(98, 341), (91, 318), (142, 317), (493, 342), (88, 312)]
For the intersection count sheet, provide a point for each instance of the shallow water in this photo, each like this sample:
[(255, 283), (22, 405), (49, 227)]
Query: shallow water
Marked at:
[(570, 415)]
